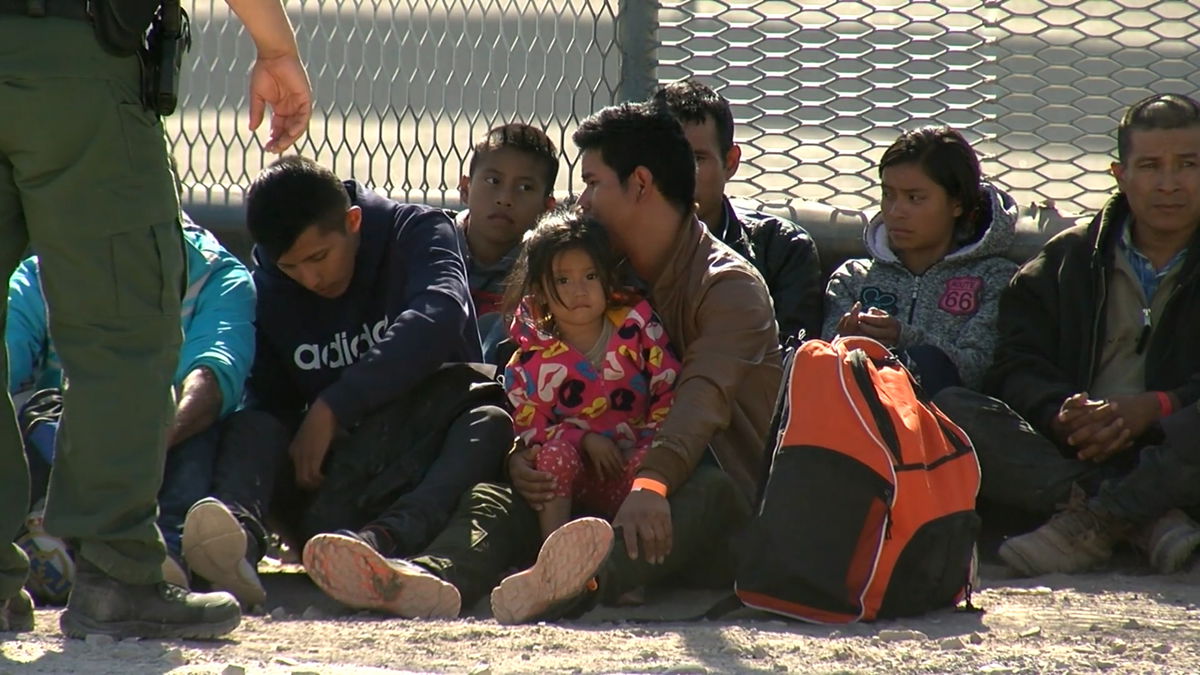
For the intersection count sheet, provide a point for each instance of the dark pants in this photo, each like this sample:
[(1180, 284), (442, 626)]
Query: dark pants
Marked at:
[(934, 370), (1167, 475), (186, 479), (495, 530), (1021, 469), (411, 505)]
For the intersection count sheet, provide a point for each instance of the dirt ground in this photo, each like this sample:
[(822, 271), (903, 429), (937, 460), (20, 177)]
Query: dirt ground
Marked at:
[(1123, 621)]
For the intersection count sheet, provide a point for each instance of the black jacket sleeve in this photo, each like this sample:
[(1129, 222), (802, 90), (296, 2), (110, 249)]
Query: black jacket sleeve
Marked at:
[(787, 257), (1033, 370)]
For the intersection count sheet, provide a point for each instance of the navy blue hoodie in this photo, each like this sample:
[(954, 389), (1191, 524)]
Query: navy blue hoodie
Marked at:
[(406, 312)]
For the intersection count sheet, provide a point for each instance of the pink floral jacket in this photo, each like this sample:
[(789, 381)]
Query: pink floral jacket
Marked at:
[(556, 393)]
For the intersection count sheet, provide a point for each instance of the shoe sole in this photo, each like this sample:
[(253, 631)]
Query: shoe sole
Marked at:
[(214, 546), (80, 627), (570, 557), (356, 575)]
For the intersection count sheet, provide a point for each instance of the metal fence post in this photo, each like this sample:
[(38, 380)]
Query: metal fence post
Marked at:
[(637, 38)]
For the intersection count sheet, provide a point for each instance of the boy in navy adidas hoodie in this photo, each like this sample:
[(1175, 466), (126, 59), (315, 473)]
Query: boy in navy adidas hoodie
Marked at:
[(363, 312)]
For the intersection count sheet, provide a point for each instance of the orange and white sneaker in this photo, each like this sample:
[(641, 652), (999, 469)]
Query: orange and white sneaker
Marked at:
[(565, 570), (350, 571)]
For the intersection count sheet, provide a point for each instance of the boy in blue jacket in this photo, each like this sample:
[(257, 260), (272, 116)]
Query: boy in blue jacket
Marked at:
[(218, 347), (359, 399)]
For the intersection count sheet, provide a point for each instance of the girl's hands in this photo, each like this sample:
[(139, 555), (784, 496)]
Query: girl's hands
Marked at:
[(878, 324), (604, 455)]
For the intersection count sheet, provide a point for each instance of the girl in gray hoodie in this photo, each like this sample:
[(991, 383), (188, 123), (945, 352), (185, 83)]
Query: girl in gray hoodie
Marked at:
[(931, 287)]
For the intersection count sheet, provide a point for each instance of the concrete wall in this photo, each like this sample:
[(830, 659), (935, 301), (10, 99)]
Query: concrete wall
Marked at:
[(838, 232)]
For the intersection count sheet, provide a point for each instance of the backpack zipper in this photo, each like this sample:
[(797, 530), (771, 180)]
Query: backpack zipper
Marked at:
[(888, 494)]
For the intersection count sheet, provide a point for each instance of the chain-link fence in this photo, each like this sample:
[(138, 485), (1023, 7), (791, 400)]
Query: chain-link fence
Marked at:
[(819, 87), (402, 88)]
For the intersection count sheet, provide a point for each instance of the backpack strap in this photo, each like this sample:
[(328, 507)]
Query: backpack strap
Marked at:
[(780, 417), (858, 360)]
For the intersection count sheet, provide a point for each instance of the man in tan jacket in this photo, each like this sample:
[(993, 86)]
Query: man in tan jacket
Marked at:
[(697, 483)]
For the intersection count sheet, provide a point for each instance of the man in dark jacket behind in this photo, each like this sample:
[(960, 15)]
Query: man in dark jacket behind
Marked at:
[(782, 251), (1097, 369), (362, 389)]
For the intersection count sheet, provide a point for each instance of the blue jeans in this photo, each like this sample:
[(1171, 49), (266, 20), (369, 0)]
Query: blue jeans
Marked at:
[(187, 477)]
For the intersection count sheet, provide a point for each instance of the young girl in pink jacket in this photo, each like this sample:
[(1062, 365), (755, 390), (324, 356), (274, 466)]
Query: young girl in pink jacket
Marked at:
[(593, 373)]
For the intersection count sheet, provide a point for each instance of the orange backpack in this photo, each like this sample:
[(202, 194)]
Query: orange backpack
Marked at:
[(867, 510)]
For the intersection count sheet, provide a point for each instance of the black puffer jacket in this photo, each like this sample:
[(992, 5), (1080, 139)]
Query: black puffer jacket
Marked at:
[(1052, 323), (786, 256)]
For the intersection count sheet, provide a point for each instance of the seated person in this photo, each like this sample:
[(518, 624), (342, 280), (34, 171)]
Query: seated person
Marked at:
[(1096, 370), (571, 321), (780, 250), (932, 284), (218, 348), (696, 484), (363, 398), (509, 184)]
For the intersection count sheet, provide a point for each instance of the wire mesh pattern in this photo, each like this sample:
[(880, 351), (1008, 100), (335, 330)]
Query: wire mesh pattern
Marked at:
[(819, 87), (402, 88)]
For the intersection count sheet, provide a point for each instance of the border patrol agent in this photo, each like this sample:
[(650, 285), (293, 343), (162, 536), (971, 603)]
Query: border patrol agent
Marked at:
[(85, 179)]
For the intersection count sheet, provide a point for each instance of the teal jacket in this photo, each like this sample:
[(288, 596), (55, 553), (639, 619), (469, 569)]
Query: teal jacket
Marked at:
[(217, 319)]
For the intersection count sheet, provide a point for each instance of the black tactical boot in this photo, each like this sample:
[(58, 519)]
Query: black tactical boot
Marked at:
[(104, 605)]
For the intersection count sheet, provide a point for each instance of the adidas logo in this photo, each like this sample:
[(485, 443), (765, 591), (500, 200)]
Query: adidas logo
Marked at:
[(342, 350)]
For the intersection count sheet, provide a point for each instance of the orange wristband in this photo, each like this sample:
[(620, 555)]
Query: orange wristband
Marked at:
[(656, 486), (1164, 403)]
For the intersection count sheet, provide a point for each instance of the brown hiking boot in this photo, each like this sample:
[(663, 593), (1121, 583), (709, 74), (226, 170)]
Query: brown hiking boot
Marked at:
[(350, 571), (1169, 541), (16, 613), (101, 604), (566, 569), (1077, 539)]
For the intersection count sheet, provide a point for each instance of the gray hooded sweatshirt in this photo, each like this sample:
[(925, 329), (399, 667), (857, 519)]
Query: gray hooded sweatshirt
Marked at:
[(952, 306)]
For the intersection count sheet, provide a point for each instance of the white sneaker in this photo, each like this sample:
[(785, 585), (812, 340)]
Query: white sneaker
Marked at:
[(348, 570), (566, 568), (214, 546)]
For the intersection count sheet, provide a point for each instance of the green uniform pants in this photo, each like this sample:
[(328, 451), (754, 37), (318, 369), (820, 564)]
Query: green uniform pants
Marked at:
[(85, 180)]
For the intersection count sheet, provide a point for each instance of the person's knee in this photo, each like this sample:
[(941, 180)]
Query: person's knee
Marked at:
[(556, 455), (709, 497), (958, 400), (481, 436), (493, 425)]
